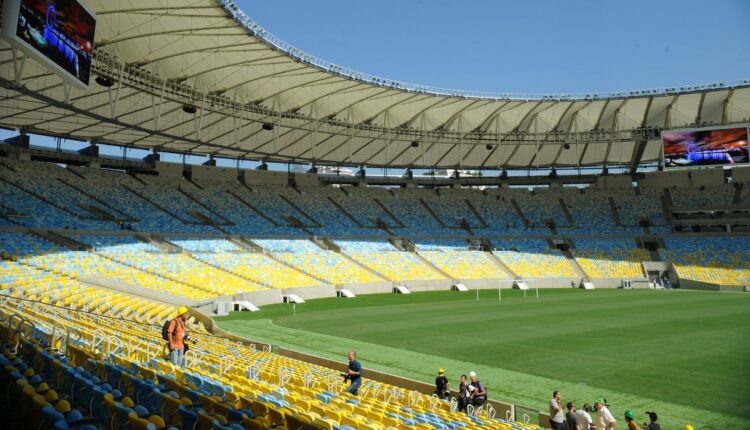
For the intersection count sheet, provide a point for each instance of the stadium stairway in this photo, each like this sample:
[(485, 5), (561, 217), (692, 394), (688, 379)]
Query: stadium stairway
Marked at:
[(654, 255), (203, 219), (295, 268), (390, 213), (362, 265), (315, 223), (433, 214), (325, 244), (574, 264), (254, 209), (223, 219), (615, 212), (283, 262), (433, 266), (119, 215), (48, 201), (666, 204), (566, 212), (245, 244), (345, 212), (155, 204), (402, 244), (502, 265), (284, 214), (474, 211), (520, 213), (158, 242), (238, 274), (737, 198), (59, 239)]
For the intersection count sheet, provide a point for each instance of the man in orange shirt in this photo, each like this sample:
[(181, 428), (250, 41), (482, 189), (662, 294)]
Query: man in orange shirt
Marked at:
[(177, 334)]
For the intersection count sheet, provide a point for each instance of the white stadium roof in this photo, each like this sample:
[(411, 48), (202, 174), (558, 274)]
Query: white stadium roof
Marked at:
[(163, 55)]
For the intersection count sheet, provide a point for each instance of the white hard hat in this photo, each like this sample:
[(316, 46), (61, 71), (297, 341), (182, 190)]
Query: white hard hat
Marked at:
[(472, 374)]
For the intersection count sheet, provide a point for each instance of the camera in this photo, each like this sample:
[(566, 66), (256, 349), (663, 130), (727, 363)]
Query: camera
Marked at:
[(345, 376)]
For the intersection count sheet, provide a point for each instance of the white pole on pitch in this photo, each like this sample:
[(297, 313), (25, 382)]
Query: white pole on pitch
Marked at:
[(294, 309), (499, 291), (537, 292), (477, 293)]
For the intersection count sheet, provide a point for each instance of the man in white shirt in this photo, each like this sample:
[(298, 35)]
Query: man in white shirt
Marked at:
[(556, 417), (584, 417), (604, 419)]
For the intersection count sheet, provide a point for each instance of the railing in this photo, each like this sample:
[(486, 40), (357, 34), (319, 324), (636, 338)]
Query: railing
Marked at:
[(149, 83)]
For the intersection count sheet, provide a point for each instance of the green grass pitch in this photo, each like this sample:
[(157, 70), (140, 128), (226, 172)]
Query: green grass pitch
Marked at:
[(684, 354)]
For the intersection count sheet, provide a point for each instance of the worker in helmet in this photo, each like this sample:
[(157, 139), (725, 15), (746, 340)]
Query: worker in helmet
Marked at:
[(177, 335), (630, 420), (442, 386)]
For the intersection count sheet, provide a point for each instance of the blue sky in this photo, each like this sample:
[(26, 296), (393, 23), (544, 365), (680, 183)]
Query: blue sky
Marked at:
[(522, 46)]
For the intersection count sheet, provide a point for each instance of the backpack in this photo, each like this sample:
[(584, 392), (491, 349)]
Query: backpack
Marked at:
[(165, 330), (481, 387)]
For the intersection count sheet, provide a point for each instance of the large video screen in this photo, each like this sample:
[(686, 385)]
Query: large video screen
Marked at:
[(705, 147), (62, 31)]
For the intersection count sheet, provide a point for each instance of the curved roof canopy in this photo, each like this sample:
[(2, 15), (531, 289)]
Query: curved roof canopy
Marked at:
[(257, 97)]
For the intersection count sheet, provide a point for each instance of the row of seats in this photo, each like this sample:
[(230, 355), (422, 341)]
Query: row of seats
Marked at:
[(185, 269), (455, 258), (38, 194), (610, 258), (224, 384), (540, 206), (20, 280), (231, 201), (719, 260), (392, 264), (119, 191), (261, 268), (28, 210), (362, 205), (207, 245), (704, 197), (532, 258), (308, 258), (592, 213), (451, 207), (25, 274), (465, 264), (212, 267)]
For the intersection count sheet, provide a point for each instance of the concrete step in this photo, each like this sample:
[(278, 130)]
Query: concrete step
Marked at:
[(499, 263)]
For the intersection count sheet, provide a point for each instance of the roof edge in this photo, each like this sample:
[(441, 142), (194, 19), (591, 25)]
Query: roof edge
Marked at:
[(244, 20)]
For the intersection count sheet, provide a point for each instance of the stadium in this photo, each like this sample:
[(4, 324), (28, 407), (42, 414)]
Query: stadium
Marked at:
[(162, 160)]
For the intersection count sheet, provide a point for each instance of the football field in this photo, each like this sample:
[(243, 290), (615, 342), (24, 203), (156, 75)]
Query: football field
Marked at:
[(683, 354)]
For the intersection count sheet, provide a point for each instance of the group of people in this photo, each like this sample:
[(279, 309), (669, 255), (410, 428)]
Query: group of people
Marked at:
[(471, 391), (580, 419)]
